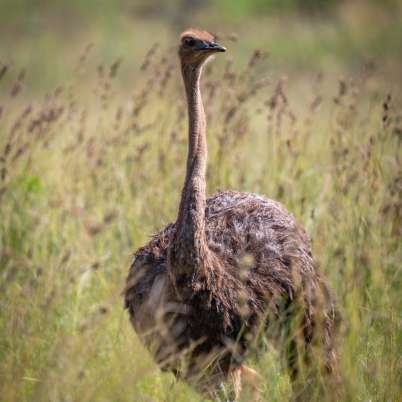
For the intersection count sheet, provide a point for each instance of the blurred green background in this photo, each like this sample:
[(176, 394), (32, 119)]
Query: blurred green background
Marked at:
[(48, 36)]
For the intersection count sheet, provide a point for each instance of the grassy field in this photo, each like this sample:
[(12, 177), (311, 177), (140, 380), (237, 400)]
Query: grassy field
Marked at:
[(92, 156)]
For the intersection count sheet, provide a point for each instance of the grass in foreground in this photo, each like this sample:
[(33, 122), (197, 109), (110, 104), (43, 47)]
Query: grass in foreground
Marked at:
[(88, 173)]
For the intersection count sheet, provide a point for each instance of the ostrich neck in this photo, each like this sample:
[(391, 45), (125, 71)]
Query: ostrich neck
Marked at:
[(197, 147), (189, 243)]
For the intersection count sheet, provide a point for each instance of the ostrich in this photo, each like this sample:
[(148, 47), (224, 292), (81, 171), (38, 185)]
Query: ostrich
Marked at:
[(233, 269)]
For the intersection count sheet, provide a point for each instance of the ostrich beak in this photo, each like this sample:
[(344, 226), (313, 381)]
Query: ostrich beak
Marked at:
[(211, 47)]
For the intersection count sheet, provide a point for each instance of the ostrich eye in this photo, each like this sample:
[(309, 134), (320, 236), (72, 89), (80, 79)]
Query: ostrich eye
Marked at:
[(189, 41)]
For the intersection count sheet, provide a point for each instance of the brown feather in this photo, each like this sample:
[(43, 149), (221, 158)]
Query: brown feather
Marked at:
[(261, 266)]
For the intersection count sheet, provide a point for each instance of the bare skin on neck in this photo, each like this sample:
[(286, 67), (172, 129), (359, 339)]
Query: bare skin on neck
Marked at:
[(189, 240), (189, 248)]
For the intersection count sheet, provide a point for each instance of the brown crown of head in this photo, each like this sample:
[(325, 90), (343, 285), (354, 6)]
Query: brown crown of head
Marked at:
[(196, 46)]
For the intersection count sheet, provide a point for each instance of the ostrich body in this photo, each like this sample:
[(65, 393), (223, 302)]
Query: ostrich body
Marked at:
[(231, 268)]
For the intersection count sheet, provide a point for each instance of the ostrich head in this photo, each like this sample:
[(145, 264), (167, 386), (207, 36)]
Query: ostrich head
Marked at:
[(196, 46)]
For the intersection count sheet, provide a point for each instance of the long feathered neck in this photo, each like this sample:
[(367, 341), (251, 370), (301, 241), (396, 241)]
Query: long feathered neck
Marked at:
[(189, 245)]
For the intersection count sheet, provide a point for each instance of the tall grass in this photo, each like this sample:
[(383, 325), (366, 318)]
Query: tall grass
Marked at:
[(88, 173)]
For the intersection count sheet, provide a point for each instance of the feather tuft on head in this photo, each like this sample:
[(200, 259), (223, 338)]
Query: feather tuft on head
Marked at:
[(197, 34)]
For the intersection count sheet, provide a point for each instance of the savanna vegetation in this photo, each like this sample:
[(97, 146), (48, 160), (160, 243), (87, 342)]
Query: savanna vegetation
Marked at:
[(305, 108)]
